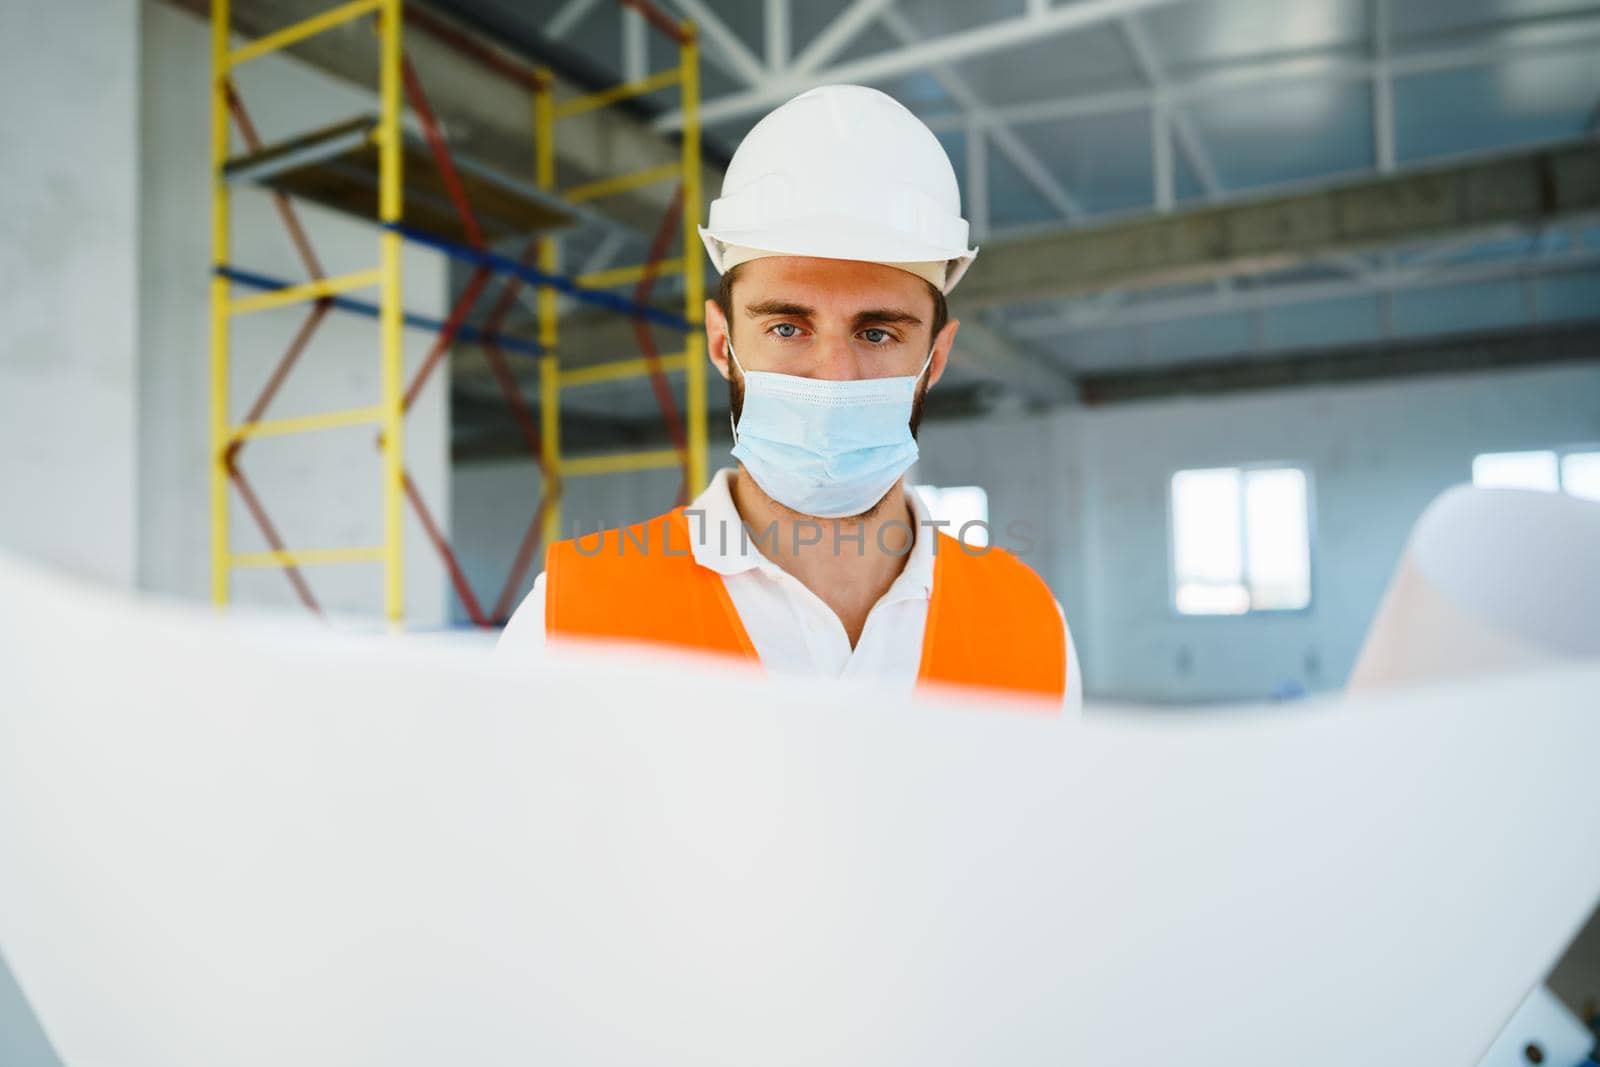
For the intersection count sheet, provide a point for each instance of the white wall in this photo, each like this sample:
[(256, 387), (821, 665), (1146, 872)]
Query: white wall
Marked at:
[(1377, 453), (68, 316), (320, 489), (1030, 467), (68, 302), (104, 370)]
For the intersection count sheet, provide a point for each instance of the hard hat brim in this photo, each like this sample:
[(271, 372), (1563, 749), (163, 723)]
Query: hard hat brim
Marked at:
[(827, 238)]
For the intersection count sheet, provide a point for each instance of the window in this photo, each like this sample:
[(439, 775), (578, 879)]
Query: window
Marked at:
[(959, 505), (1580, 474), (1551, 470), (1517, 470), (1241, 540)]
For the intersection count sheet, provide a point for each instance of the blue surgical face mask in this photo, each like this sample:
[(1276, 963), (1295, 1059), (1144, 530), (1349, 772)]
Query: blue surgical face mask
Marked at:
[(825, 448)]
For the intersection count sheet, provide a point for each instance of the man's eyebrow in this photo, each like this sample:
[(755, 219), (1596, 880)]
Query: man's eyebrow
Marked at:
[(889, 316), (778, 307), (893, 316)]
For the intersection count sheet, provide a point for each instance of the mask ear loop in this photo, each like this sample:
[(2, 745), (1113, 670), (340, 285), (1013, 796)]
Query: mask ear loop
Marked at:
[(733, 426)]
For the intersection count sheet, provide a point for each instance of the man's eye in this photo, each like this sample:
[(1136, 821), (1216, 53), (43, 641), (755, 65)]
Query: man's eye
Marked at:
[(782, 326), (875, 335)]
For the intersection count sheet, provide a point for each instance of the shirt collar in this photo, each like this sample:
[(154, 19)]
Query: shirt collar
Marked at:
[(719, 543), (716, 534)]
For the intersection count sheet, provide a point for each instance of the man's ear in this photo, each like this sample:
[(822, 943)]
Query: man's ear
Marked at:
[(717, 337), (941, 350)]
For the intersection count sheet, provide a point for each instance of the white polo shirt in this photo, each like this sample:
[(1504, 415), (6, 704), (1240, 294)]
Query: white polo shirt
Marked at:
[(793, 631)]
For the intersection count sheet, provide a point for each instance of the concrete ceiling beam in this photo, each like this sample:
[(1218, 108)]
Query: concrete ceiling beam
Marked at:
[(1544, 186)]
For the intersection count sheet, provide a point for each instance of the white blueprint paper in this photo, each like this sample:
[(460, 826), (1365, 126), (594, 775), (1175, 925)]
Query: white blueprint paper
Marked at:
[(226, 844)]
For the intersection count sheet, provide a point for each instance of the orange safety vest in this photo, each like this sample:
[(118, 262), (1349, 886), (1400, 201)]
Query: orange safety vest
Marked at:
[(992, 622)]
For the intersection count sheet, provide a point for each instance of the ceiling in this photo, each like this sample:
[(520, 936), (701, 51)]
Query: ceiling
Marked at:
[(1076, 114)]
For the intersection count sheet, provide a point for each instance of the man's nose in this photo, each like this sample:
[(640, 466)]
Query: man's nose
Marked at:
[(838, 360)]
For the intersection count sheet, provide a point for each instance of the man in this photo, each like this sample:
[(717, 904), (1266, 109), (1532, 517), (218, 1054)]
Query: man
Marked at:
[(837, 235)]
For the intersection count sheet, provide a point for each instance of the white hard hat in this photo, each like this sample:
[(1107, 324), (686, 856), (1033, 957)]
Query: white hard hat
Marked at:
[(842, 172)]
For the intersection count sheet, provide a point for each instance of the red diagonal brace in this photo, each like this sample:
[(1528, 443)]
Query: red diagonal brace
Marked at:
[(498, 365), (291, 221), (508, 292), (297, 346), (458, 578), (550, 488), (447, 333), (441, 155), (308, 256), (441, 345), (503, 377), (253, 504)]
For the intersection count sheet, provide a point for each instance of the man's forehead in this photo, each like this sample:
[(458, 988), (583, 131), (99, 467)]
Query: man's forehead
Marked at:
[(838, 285)]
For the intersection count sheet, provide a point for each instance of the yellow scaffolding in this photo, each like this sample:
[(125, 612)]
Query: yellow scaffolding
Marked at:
[(389, 412), (553, 379), (382, 137)]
